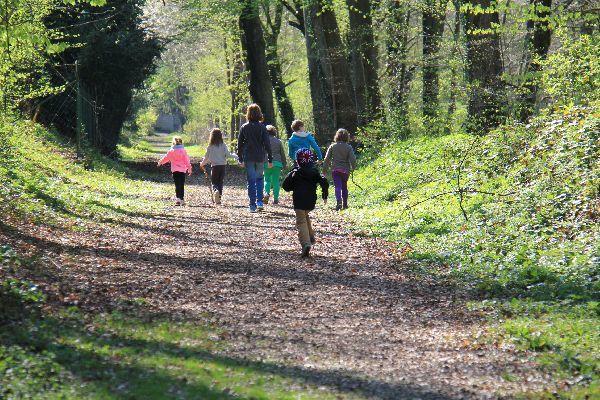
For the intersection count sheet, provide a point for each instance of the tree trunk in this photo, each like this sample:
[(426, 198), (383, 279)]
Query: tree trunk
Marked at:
[(235, 67), (334, 64), (537, 44), (398, 70), (434, 16), (364, 61), (272, 35), (484, 67), (320, 91), (253, 43), (454, 73)]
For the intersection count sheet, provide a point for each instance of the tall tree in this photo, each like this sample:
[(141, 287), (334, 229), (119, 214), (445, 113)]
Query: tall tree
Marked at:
[(272, 31), (253, 43), (399, 71), (454, 77), (324, 41), (320, 93), (434, 16), (484, 66), (537, 44), (363, 50), (112, 60)]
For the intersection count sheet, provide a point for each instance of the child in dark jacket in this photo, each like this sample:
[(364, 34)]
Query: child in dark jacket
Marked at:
[(303, 181)]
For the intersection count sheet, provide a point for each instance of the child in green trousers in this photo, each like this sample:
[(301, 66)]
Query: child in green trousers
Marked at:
[(279, 162)]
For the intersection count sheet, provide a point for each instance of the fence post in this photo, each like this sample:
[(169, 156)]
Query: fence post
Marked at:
[(79, 112)]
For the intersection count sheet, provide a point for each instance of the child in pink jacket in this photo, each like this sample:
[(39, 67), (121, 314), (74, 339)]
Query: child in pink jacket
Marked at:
[(180, 164)]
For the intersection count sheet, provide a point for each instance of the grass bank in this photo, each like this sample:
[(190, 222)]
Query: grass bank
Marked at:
[(42, 180), (513, 216)]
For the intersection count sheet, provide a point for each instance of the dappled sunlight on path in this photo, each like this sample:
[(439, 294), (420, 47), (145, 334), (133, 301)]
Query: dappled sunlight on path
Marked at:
[(348, 319)]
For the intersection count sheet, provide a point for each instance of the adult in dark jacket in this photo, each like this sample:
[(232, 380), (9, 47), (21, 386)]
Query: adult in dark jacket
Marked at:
[(303, 181), (253, 144)]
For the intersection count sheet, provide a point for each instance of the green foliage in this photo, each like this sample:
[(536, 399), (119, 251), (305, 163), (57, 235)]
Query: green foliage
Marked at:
[(529, 193), (572, 74), (122, 355), (41, 181), (563, 334), (21, 61)]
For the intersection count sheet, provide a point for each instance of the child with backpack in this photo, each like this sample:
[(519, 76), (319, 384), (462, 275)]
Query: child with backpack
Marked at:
[(341, 161), (216, 155), (180, 165), (303, 181), (302, 140), (273, 174)]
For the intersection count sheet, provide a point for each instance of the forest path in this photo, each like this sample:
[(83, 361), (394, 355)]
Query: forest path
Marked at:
[(348, 319)]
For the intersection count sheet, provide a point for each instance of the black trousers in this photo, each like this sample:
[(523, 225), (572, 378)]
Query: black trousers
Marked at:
[(179, 178), (217, 176)]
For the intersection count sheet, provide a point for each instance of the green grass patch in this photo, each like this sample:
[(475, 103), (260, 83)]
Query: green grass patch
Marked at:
[(564, 335), (513, 214), (42, 180), (115, 356)]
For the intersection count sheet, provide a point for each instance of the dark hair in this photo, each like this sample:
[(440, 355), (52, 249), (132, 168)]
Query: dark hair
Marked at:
[(253, 113), (342, 135), (216, 137), (296, 125), (272, 130)]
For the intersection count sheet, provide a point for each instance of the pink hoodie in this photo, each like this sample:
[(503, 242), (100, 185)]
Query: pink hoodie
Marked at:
[(179, 159)]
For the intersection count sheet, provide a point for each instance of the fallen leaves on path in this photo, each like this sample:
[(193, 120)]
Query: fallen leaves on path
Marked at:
[(348, 318)]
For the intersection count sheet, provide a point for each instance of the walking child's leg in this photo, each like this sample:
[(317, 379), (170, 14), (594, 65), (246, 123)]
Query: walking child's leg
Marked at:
[(221, 178), (251, 177), (337, 181), (302, 226), (268, 180), (179, 178), (176, 182), (345, 189), (182, 185), (275, 182), (260, 182), (214, 178), (311, 232)]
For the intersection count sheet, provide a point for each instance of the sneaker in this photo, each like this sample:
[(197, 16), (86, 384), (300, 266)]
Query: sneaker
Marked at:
[(266, 199), (217, 197), (338, 206), (305, 251), (181, 203), (178, 202), (260, 206), (276, 201), (253, 209), (313, 240)]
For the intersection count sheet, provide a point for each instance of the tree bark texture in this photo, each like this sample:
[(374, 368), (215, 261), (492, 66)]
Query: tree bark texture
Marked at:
[(253, 43), (325, 43), (434, 16), (537, 44), (484, 68), (284, 104), (399, 73), (363, 51)]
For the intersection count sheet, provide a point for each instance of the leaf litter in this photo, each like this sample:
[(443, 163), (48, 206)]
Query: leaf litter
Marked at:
[(350, 319)]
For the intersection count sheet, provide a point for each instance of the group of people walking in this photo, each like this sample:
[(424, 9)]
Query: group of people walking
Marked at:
[(262, 154)]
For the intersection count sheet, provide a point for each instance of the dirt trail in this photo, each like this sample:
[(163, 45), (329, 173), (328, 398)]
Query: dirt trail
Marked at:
[(348, 318)]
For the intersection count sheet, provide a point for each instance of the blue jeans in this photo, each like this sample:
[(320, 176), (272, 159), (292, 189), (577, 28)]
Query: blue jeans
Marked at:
[(256, 179)]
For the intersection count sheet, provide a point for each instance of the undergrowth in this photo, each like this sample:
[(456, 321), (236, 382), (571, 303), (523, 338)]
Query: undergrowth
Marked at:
[(65, 353), (41, 179), (512, 215)]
